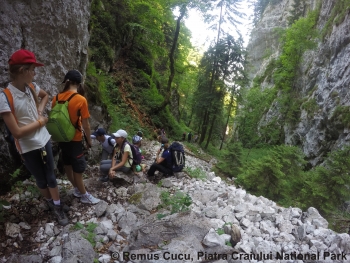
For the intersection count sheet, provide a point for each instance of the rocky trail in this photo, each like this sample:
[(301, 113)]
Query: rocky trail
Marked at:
[(178, 219)]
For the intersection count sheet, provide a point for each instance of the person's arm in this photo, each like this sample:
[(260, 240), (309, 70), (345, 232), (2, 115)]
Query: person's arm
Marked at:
[(19, 132), (113, 159), (86, 126), (44, 99), (122, 162), (159, 159)]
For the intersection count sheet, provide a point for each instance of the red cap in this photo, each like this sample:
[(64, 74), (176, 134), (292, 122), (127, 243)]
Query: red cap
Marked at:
[(23, 56)]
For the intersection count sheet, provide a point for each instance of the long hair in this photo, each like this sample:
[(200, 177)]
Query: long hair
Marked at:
[(15, 71), (80, 89)]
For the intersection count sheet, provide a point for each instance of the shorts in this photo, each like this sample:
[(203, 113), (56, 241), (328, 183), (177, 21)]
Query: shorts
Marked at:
[(73, 155)]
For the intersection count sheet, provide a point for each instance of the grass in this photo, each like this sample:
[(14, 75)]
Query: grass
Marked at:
[(196, 173), (177, 202)]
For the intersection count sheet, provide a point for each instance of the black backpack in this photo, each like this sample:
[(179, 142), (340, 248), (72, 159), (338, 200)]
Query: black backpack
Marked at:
[(178, 156)]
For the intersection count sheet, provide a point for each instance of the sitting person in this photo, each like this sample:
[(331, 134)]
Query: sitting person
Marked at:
[(107, 142), (163, 162), (121, 158)]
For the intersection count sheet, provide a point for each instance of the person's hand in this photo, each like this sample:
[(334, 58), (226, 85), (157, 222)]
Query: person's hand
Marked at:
[(111, 174), (43, 120)]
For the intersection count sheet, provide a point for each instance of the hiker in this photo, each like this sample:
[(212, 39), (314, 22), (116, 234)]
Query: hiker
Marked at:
[(136, 141), (120, 161), (184, 136), (123, 154), (106, 141), (189, 137), (195, 138), (162, 163), (26, 123), (72, 152)]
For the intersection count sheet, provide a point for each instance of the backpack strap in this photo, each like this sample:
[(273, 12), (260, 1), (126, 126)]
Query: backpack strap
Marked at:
[(63, 101), (109, 140), (78, 113)]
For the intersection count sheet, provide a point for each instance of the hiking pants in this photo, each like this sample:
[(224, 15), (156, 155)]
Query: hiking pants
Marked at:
[(42, 172), (105, 165), (159, 167), (106, 155)]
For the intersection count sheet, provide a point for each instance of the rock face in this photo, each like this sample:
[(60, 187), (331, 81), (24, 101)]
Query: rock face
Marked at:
[(323, 77), (56, 31)]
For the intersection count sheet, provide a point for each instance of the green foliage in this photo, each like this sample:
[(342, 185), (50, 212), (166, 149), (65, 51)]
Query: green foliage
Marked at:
[(297, 39), (220, 231), (310, 106), (342, 114), (177, 202), (89, 228), (90, 236), (196, 173), (252, 130), (276, 175), (231, 162), (337, 16), (256, 104), (327, 186), (78, 226)]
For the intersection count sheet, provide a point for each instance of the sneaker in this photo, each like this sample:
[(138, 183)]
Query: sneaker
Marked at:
[(89, 199), (104, 179), (60, 215), (51, 205), (77, 193)]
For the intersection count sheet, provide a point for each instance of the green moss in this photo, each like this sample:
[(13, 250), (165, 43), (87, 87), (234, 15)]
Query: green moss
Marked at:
[(135, 198), (342, 114), (310, 106), (337, 16)]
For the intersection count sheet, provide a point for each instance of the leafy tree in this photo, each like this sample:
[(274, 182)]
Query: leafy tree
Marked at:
[(327, 186), (276, 175)]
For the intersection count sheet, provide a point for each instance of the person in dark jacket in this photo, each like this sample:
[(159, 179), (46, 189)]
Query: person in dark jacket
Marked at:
[(163, 161)]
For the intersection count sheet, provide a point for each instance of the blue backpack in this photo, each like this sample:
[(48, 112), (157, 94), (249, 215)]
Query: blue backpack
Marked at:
[(178, 156)]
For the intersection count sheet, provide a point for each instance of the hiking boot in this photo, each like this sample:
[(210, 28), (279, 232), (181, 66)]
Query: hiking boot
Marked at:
[(89, 199), (77, 193), (51, 205), (104, 179), (60, 215)]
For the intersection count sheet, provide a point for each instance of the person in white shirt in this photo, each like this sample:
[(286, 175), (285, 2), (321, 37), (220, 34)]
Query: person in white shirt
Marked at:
[(22, 113), (107, 142), (121, 158)]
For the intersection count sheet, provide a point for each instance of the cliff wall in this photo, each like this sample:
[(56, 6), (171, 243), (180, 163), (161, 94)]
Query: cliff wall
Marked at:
[(56, 31), (323, 77)]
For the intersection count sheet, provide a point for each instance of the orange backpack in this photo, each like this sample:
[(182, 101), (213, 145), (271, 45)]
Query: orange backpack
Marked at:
[(9, 98)]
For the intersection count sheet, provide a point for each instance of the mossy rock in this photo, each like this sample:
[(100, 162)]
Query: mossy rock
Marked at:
[(135, 198)]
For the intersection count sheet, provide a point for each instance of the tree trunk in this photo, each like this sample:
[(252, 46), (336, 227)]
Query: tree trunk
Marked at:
[(210, 131), (172, 60), (228, 117), (204, 126)]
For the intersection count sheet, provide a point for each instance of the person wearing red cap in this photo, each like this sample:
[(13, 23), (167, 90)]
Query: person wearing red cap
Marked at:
[(21, 109), (72, 152)]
